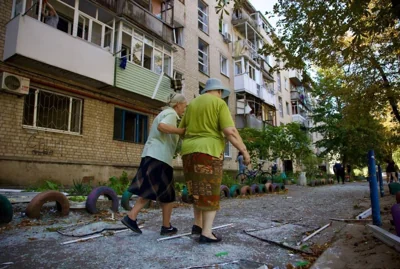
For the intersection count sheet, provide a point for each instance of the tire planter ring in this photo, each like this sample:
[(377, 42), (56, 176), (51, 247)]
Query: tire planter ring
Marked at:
[(268, 187), (323, 182), (281, 186), (395, 210), (255, 189), (245, 190), (312, 183), (126, 196), (234, 191), (225, 190), (62, 203), (6, 210), (94, 196), (275, 187), (262, 188)]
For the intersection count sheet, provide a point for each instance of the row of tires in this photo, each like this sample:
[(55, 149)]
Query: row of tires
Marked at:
[(319, 182), (63, 205), (240, 190)]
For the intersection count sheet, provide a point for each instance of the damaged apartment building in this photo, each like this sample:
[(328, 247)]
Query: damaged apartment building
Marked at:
[(79, 97)]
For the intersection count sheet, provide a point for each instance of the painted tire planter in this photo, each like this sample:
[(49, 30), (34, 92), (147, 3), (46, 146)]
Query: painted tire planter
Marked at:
[(255, 189), (126, 196), (396, 217), (62, 203), (234, 191), (245, 190), (318, 182), (268, 187), (262, 188), (94, 196), (281, 186), (323, 182), (224, 190), (398, 197), (6, 210), (312, 183), (394, 187), (275, 187)]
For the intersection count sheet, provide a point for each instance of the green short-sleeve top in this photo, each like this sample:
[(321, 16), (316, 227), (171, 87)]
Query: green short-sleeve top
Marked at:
[(205, 118)]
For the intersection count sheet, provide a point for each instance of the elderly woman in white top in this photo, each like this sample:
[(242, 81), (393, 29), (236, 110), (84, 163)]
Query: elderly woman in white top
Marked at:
[(154, 178)]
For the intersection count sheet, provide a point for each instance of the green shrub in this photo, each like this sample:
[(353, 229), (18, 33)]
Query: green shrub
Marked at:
[(119, 184), (80, 188), (228, 180), (47, 185)]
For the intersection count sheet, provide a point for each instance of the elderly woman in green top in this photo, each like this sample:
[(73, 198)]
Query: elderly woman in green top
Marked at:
[(154, 178), (208, 122)]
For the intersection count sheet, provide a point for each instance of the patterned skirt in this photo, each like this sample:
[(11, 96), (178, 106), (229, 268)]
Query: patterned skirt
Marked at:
[(203, 176), (154, 181)]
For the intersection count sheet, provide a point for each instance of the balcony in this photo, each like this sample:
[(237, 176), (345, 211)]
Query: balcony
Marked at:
[(36, 45), (268, 96), (142, 81), (135, 12), (243, 83), (248, 121), (295, 76), (299, 119), (239, 20)]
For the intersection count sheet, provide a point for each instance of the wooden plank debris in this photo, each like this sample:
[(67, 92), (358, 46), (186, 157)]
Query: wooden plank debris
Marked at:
[(386, 237), (314, 233)]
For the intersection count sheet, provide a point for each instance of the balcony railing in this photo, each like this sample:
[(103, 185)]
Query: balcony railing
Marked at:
[(298, 118), (140, 80), (248, 121), (243, 83), (30, 39), (143, 17), (295, 76), (268, 96)]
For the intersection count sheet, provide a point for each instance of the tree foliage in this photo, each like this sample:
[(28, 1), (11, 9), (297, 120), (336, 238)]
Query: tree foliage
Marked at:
[(285, 142)]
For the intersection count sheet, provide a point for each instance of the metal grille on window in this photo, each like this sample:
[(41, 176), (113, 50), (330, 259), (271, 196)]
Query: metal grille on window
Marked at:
[(48, 110)]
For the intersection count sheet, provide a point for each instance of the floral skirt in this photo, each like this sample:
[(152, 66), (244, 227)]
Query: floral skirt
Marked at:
[(203, 176), (154, 181)]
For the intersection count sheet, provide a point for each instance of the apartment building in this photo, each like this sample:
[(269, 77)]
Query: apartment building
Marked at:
[(78, 98)]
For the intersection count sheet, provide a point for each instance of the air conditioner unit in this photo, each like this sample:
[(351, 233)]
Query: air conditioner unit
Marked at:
[(227, 38), (14, 84)]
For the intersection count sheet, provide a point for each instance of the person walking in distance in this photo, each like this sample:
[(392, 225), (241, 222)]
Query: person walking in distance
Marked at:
[(339, 172), (242, 167), (154, 178), (208, 122)]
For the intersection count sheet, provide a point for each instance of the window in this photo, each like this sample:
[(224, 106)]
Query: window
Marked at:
[(223, 27), (280, 107), (278, 81), (201, 87), (146, 52), (202, 16), (286, 83), (178, 36), (252, 72), (227, 151), (224, 66), (238, 68), (203, 56), (130, 126), (287, 108), (49, 110)]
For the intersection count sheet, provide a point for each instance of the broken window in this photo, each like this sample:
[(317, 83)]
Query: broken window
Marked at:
[(203, 57), (202, 16)]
